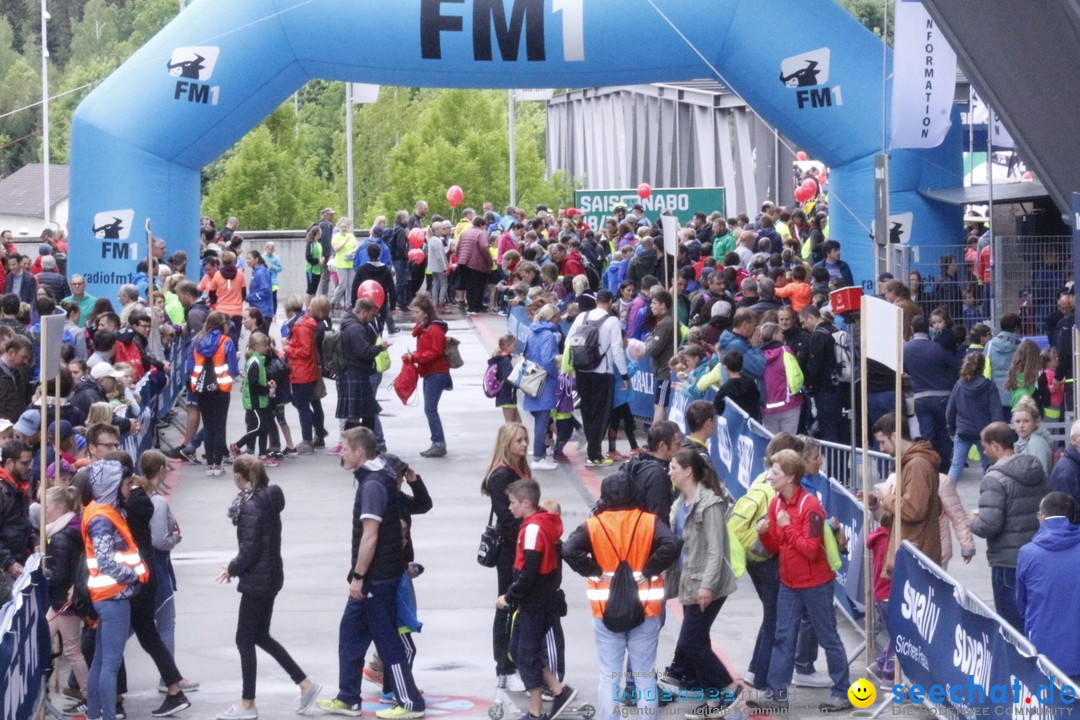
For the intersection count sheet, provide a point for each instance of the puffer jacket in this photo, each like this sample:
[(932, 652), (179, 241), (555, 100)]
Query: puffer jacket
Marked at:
[(999, 354), (778, 399), (1037, 445), (430, 355), (706, 557), (67, 566), (302, 353), (1009, 499), (956, 515), (258, 562)]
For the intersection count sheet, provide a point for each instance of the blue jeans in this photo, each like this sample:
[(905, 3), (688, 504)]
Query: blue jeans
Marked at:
[(1003, 580), (401, 283), (374, 619), (376, 380), (113, 629), (303, 399), (817, 602), (766, 579), (931, 414), (541, 419), (961, 447), (639, 647), (806, 647), (433, 390)]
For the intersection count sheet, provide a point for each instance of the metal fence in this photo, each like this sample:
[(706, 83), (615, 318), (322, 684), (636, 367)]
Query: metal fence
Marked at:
[(837, 464), (1016, 274)]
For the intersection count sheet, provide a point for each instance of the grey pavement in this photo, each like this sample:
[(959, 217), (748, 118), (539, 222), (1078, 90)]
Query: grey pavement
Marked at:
[(454, 665)]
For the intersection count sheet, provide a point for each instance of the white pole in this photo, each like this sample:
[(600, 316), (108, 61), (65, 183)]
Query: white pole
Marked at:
[(349, 145), (513, 146), (47, 220), (997, 305)]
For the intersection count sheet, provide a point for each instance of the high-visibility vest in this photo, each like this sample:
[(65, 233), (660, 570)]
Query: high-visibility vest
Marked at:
[(632, 532), (102, 586), (221, 367)]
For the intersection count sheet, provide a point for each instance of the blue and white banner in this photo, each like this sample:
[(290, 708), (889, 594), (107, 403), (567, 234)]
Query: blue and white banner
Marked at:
[(25, 651), (960, 653), (924, 79)]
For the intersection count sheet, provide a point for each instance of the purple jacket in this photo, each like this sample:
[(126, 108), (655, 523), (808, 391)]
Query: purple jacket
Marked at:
[(777, 397)]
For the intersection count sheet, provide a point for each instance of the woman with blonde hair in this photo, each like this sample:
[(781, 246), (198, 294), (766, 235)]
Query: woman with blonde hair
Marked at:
[(100, 412), (344, 244), (509, 463), (1033, 439)]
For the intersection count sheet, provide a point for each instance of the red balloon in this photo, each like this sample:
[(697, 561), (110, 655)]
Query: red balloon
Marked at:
[(454, 195), (417, 237), (801, 156), (1028, 177), (802, 194), (809, 185), (644, 190), (417, 256), (372, 290)]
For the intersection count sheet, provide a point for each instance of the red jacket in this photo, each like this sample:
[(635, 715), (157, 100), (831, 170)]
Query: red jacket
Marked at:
[(302, 354), (572, 265), (430, 355), (801, 545)]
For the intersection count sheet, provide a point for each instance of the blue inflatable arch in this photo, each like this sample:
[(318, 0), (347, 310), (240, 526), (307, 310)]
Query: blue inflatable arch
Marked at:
[(140, 139)]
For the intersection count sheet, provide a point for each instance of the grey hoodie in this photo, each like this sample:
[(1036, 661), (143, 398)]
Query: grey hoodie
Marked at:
[(105, 477), (1009, 499), (1037, 445), (999, 353)]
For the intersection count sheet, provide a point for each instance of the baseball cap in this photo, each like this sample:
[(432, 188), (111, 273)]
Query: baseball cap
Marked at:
[(5, 425), (28, 423), (66, 430), (638, 206), (104, 370), (327, 210)]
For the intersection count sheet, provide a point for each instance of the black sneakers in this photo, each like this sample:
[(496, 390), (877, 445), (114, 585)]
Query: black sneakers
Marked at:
[(172, 705), (562, 701)]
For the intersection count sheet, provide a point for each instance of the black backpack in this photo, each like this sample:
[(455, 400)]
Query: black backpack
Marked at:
[(585, 345), (623, 611)]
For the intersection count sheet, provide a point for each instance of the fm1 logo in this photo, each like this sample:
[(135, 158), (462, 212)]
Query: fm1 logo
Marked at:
[(113, 226), (808, 75), (524, 16), (194, 66)]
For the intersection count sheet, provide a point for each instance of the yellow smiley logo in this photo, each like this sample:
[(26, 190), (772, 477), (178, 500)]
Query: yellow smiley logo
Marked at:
[(862, 693)]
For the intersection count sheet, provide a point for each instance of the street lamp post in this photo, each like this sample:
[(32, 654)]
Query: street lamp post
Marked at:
[(45, 113)]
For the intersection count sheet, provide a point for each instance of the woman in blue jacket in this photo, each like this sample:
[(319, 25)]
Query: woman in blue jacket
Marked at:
[(543, 349), (973, 404), (260, 293)]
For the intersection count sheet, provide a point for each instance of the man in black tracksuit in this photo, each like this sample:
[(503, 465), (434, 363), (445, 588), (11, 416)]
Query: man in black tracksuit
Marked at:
[(377, 562), (648, 472)]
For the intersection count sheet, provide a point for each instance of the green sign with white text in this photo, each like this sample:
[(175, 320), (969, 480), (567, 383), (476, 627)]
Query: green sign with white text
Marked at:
[(682, 202)]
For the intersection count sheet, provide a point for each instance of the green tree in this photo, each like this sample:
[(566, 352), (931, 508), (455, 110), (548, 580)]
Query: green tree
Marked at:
[(459, 137), (265, 181)]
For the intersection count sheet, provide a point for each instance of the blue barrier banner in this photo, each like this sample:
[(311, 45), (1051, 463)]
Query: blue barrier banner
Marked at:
[(848, 586), (944, 637), (24, 643)]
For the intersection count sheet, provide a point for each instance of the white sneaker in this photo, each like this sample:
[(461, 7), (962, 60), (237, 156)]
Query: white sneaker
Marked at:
[(545, 464), (748, 677), (514, 684), (238, 713), (813, 680)]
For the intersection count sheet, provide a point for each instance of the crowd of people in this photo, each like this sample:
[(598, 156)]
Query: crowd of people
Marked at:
[(736, 308)]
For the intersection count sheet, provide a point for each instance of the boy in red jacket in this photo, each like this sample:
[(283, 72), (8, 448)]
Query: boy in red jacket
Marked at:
[(534, 592), (795, 530)]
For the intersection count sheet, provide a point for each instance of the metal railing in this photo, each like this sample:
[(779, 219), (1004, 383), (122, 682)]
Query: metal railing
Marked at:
[(837, 464), (1018, 274)]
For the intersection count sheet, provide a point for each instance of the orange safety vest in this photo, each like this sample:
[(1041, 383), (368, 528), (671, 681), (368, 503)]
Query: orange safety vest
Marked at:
[(221, 367), (632, 530), (102, 586)]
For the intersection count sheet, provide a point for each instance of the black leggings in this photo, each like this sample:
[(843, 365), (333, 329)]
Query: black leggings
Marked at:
[(622, 415), (253, 630), (259, 423), (214, 410), (500, 631), (142, 622)]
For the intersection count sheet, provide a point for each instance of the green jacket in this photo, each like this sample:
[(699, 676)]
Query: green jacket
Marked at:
[(313, 252), (174, 309), (748, 510), (255, 390), (706, 558)]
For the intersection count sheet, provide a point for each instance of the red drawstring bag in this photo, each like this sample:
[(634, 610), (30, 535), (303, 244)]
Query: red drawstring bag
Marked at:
[(407, 380)]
